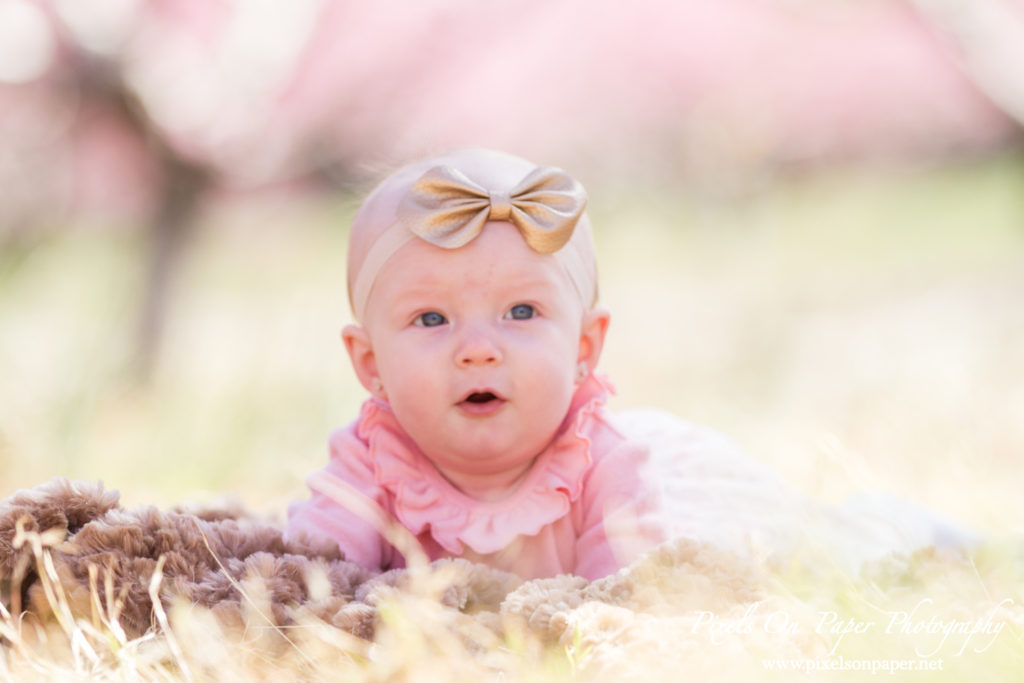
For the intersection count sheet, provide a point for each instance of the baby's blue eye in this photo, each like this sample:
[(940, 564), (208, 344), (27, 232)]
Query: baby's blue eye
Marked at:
[(430, 319), (520, 312)]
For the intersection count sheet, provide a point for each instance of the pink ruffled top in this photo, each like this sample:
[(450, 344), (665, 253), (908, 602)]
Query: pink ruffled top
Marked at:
[(583, 508)]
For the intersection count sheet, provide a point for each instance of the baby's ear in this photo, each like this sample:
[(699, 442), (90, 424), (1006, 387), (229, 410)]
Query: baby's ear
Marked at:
[(592, 332), (360, 352)]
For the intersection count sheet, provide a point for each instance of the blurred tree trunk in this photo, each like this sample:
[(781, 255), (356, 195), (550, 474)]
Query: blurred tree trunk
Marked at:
[(181, 185)]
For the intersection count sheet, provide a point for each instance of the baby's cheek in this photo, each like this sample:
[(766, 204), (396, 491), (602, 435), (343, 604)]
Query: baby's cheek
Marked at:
[(407, 363), (551, 382), (555, 345), (411, 388), (559, 360)]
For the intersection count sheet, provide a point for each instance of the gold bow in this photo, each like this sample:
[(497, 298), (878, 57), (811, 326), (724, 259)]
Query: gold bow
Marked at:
[(447, 209)]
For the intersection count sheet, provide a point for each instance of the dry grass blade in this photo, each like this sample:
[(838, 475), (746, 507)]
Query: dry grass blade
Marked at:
[(161, 616), (253, 603), (347, 496)]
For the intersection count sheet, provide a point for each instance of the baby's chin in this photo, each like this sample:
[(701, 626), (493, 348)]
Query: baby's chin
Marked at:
[(486, 461), (481, 456)]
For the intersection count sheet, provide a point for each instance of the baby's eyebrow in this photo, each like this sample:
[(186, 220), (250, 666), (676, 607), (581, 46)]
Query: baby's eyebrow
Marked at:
[(435, 288)]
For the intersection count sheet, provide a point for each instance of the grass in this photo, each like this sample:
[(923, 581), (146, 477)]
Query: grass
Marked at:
[(855, 329), (930, 617)]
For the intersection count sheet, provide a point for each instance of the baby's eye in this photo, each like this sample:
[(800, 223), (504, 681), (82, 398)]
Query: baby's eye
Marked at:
[(520, 312), (430, 319)]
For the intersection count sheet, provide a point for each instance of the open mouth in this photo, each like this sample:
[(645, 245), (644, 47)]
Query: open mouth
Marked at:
[(481, 402)]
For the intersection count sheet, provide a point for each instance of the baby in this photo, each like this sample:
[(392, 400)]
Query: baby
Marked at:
[(473, 280)]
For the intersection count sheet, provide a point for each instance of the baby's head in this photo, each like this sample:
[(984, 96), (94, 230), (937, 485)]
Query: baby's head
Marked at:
[(378, 229), (473, 278)]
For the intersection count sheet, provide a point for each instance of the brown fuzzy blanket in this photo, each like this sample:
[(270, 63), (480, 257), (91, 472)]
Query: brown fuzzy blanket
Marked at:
[(682, 604), (208, 554)]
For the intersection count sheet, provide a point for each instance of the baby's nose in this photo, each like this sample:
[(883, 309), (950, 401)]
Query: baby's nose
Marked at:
[(477, 348)]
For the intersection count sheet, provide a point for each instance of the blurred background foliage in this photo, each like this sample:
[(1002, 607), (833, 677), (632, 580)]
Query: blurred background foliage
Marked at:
[(810, 219)]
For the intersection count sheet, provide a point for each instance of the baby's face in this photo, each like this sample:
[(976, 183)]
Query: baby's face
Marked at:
[(478, 348)]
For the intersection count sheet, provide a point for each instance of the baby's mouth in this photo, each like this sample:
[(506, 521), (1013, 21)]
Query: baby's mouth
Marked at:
[(481, 402)]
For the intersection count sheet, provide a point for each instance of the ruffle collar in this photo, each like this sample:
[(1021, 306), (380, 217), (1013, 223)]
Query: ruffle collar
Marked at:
[(425, 500)]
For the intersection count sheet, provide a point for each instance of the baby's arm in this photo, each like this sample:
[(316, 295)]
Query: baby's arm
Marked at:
[(621, 512), (346, 506)]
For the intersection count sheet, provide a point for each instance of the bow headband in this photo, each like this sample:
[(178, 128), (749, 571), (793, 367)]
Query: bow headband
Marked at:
[(448, 210)]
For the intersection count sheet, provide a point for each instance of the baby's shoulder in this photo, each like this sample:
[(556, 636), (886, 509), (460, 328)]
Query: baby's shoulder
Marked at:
[(349, 450), (679, 447), (347, 438), (658, 427)]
